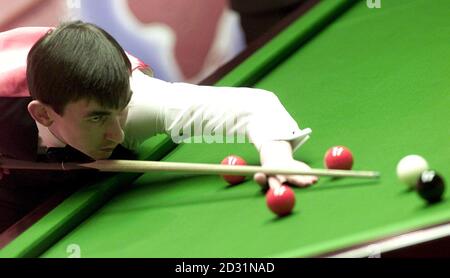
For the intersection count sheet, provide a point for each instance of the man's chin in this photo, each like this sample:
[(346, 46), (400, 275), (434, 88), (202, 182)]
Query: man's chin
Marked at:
[(99, 155)]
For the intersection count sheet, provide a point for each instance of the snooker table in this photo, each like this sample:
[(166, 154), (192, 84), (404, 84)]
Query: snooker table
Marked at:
[(374, 80)]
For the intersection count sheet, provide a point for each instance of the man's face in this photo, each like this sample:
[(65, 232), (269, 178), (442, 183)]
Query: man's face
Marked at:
[(90, 128)]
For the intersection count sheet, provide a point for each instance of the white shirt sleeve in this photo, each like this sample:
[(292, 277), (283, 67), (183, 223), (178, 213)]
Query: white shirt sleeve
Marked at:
[(185, 111)]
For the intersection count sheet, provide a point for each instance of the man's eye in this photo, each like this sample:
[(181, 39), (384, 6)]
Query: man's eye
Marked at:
[(96, 119)]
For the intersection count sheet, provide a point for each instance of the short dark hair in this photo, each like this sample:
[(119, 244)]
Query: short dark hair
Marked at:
[(78, 60)]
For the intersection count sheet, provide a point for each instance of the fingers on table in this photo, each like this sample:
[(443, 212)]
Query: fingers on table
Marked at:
[(260, 178), (278, 180), (275, 181), (301, 181)]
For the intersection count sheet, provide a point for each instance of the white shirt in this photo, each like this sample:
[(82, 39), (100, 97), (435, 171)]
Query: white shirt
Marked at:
[(197, 111)]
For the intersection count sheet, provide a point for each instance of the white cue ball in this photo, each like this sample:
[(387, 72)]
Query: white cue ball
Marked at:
[(410, 168)]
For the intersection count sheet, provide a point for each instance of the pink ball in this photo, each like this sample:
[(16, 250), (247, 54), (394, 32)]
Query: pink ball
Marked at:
[(338, 157), (280, 200), (233, 160)]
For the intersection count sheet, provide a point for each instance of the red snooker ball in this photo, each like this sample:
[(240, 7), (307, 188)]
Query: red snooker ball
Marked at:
[(280, 200), (233, 160), (338, 157)]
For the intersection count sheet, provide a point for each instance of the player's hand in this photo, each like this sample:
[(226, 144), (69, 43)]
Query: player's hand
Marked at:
[(3, 172), (294, 180), (279, 154)]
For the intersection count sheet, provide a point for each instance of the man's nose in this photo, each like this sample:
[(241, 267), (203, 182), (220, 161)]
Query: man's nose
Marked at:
[(115, 132)]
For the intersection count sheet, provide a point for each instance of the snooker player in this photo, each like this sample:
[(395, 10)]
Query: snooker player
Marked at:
[(71, 93)]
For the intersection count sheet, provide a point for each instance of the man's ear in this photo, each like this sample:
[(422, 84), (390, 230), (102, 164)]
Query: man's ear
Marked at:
[(41, 112)]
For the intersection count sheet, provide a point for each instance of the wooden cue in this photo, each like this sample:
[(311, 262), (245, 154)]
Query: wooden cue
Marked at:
[(138, 166)]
